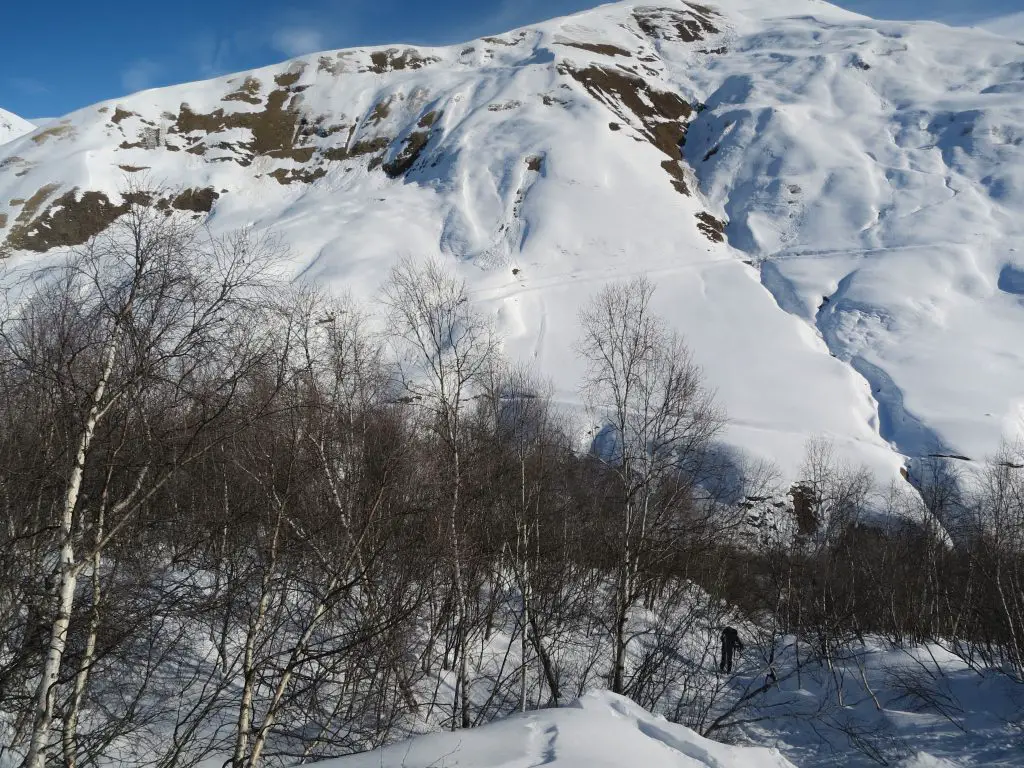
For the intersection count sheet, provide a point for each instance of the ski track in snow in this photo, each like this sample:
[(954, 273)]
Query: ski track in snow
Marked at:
[(547, 739)]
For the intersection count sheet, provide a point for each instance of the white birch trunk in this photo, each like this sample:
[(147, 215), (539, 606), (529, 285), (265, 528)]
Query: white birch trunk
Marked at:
[(68, 572)]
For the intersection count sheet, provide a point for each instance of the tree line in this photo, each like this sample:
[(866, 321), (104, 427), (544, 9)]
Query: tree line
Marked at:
[(252, 520)]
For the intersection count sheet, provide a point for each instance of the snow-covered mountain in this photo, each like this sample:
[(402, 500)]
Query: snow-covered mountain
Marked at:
[(831, 206), (12, 126)]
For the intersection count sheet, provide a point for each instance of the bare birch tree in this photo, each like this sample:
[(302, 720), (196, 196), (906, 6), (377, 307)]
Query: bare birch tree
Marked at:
[(444, 350), (656, 420), (147, 328)]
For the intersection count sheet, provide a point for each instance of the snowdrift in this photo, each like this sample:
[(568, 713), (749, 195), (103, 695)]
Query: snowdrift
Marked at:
[(600, 730)]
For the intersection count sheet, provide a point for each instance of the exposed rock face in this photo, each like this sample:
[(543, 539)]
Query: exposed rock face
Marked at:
[(658, 115), (75, 216), (688, 26), (713, 229), (70, 219), (198, 200)]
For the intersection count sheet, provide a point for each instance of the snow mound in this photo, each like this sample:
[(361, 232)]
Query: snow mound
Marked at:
[(600, 730), (12, 126)]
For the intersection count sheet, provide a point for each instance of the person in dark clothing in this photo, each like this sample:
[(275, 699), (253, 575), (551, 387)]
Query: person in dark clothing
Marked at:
[(730, 643)]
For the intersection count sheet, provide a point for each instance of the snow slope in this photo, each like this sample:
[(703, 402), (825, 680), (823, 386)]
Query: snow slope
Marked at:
[(875, 164), (1011, 25), (12, 126), (600, 729), (932, 712), (1001, 17), (877, 171), (913, 707)]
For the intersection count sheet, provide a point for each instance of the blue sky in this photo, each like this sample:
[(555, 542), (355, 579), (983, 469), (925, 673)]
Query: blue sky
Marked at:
[(59, 55)]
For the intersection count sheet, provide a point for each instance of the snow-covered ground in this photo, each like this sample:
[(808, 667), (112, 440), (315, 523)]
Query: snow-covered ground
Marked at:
[(877, 170), (12, 126), (600, 729), (914, 708), (872, 174)]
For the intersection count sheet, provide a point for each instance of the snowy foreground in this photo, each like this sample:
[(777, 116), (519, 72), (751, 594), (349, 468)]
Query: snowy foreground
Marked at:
[(914, 707), (600, 730)]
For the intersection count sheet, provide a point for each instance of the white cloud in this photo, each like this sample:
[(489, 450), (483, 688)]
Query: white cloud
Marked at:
[(139, 75), (296, 41)]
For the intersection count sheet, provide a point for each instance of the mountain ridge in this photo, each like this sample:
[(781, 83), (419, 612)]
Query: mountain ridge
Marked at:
[(12, 126)]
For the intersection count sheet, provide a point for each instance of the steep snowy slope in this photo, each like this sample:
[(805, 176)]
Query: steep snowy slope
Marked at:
[(876, 172), (600, 730), (12, 126), (877, 165)]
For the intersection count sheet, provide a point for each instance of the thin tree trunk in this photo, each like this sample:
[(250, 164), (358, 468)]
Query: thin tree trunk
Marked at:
[(545, 662), (622, 591), (45, 691), (270, 719), (245, 707), (462, 684), (70, 735)]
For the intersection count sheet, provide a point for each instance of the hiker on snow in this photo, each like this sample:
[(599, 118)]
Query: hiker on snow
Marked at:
[(730, 642)]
